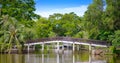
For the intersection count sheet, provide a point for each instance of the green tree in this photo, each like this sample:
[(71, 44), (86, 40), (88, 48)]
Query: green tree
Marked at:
[(112, 14), (93, 18), (55, 16), (56, 24), (42, 28), (10, 32), (115, 38), (69, 24), (19, 9)]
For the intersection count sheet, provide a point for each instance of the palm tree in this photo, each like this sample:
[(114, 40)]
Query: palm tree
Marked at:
[(10, 33)]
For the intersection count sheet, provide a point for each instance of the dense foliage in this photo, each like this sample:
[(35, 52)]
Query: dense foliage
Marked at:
[(19, 9), (19, 23)]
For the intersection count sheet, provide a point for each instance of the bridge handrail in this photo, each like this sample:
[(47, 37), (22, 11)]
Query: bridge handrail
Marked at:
[(70, 39)]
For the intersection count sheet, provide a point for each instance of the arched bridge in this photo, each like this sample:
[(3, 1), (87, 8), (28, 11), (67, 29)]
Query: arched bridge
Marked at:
[(69, 40)]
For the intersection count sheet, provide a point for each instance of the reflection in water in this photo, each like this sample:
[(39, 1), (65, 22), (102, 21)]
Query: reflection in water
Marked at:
[(90, 59), (57, 58), (28, 58), (42, 58), (73, 58)]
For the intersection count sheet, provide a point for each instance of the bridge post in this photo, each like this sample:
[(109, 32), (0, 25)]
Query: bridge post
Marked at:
[(90, 48), (28, 48), (34, 47), (73, 46), (62, 47), (48, 48), (42, 46), (58, 46), (78, 47)]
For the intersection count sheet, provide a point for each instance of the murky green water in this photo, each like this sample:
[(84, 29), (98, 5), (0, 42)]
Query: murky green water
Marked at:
[(67, 57)]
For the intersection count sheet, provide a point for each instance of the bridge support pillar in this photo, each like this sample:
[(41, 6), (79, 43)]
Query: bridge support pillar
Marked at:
[(34, 47), (63, 48), (28, 48), (42, 47), (48, 48), (90, 49), (73, 46), (78, 47), (58, 46)]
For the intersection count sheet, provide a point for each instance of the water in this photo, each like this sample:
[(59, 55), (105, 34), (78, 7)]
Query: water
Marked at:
[(67, 57)]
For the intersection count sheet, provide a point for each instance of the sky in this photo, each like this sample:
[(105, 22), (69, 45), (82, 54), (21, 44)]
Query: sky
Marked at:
[(45, 8)]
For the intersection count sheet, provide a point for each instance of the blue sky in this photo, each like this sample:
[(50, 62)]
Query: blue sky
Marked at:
[(49, 7)]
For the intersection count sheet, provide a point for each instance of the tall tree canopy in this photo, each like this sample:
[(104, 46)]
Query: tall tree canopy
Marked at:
[(112, 14), (19, 9), (93, 18)]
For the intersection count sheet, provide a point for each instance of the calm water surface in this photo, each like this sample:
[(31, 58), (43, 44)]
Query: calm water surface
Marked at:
[(67, 57)]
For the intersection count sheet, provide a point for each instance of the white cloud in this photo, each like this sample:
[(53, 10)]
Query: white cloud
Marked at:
[(78, 10)]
